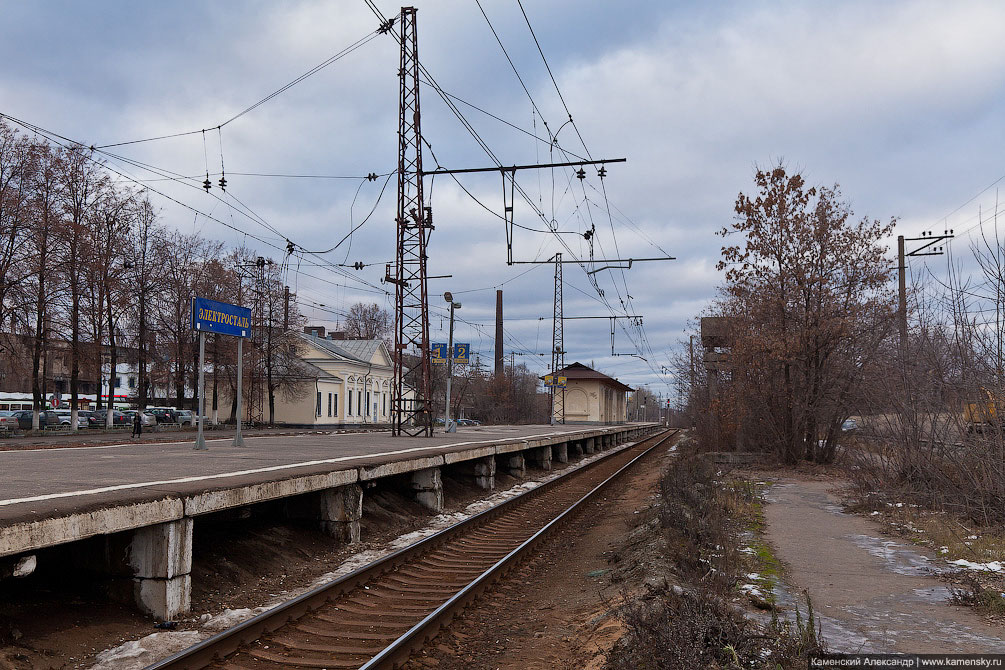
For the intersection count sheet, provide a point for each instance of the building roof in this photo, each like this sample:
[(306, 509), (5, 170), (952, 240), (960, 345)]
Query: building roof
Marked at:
[(580, 371), (312, 370), (361, 351)]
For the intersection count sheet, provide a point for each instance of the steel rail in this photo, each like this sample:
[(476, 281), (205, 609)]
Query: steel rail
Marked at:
[(226, 642), (399, 651)]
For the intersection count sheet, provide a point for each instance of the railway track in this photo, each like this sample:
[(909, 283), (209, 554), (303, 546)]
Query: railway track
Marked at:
[(378, 615)]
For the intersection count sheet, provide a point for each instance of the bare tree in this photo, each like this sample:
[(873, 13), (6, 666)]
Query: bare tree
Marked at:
[(145, 251), (17, 167), (808, 294), (83, 182), (367, 322), (46, 220)]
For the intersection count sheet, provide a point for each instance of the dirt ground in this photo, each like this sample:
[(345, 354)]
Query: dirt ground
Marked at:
[(872, 593), (553, 613)]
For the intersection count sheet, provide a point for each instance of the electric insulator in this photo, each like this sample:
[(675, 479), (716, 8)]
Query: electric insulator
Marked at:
[(372, 176), (207, 184), (602, 172), (581, 174), (223, 183)]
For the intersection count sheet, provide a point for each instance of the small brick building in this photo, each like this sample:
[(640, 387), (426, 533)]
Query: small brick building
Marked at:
[(592, 397)]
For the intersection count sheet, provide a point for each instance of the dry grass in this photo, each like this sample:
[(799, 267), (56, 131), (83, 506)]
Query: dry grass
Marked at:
[(950, 538), (707, 518)]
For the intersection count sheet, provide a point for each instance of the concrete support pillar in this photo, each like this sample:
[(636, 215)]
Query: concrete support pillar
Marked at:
[(427, 488), (560, 452), (577, 448), (340, 512), (589, 445), (541, 457), (514, 465), (160, 559), (482, 469), (337, 511)]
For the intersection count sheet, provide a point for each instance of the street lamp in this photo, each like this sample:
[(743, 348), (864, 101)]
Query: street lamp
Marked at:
[(449, 425)]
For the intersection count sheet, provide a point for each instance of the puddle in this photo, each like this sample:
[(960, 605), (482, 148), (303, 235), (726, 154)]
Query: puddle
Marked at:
[(898, 558), (934, 595), (838, 636)]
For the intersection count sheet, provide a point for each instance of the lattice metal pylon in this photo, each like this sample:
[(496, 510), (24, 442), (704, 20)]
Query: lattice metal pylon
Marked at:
[(411, 395), (557, 346)]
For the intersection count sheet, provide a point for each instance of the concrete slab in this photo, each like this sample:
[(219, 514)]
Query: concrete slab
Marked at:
[(53, 496), (399, 467), (214, 501)]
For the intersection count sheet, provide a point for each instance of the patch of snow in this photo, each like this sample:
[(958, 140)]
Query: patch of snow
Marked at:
[(753, 576), (752, 589), (943, 550), (971, 537), (993, 566), (747, 550), (137, 654), (874, 513), (231, 617)]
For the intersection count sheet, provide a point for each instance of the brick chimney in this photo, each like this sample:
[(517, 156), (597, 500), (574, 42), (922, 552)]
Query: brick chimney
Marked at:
[(316, 331)]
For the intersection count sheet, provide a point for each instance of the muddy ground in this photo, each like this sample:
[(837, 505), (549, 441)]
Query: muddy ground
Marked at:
[(557, 611)]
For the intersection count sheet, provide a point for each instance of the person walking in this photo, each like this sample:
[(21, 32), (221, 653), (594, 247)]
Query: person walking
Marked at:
[(137, 425)]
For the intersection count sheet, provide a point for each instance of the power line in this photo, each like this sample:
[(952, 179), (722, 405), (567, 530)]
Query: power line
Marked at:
[(548, 67), (314, 70), (73, 145)]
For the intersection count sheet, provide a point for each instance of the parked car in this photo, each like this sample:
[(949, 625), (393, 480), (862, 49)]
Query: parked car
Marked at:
[(97, 419), (45, 419), (164, 414), (65, 415), (7, 420), (146, 419), (186, 417), (849, 425)]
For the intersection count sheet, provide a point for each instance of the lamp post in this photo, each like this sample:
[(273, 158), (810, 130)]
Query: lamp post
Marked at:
[(449, 425)]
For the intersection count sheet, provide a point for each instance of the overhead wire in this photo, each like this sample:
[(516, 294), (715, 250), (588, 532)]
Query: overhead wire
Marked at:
[(285, 87)]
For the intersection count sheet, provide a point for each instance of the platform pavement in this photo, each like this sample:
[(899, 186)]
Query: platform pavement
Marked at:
[(46, 483)]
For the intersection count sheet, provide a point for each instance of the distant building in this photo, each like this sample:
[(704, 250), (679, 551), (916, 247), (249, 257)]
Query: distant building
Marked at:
[(592, 397), (338, 382)]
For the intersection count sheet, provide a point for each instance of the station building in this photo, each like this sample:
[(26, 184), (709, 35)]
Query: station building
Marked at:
[(335, 382), (592, 397)]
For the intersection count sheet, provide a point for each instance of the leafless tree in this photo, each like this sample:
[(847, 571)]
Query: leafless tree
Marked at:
[(807, 290)]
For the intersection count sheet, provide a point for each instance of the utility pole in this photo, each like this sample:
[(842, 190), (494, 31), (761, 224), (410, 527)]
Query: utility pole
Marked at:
[(500, 356), (286, 309), (929, 241), (413, 415), (450, 426), (557, 346)]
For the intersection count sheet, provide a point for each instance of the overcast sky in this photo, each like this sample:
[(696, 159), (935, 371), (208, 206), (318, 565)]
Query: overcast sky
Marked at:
[(899, 102)]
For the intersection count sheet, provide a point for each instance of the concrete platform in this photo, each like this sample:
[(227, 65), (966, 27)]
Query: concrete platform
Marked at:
[(50, 497)]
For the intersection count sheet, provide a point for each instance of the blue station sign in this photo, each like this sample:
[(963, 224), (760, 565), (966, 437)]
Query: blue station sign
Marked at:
[(211, 316)]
